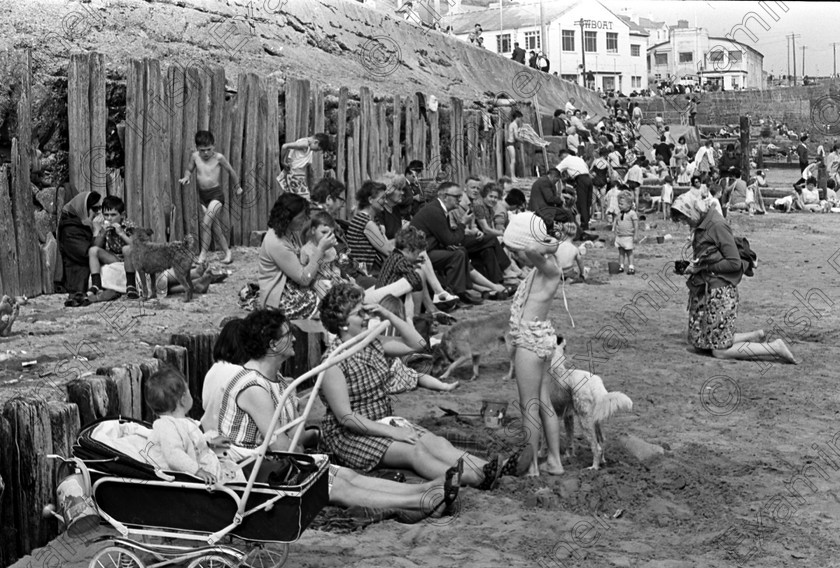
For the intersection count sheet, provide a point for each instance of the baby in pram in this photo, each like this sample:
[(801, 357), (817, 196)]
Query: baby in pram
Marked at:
[(177, 441)]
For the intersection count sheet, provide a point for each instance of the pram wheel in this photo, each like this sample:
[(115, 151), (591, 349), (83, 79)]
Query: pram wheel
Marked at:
[(116, 557), (267, 556), (212, 561)]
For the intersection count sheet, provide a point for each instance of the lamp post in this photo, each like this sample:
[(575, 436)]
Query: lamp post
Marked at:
[(582, 52)]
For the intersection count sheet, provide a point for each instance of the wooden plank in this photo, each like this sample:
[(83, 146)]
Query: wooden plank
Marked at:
[(291, 109), (235, 157), (216, 102), (192, 210), (433, 165), (421, 131), (23, 213), (30, 439), (78, 121), (129, 389), (317, 126), (98, 123), (357, 162), (373, 141), (341, 162), (456, 145), (64, 430), (96, 396), (273, 149), (9, 549), (259, 201), (135, 91), (250, 139), (473, 165), (384, 138), (365, 100), (152, 140), (397, 164), (409, 129), (351, 176), (204, 92), (302, 101), (165, 182), (9, 276), (174, 93)]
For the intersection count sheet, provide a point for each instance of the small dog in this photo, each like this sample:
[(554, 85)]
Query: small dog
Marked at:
[(469, 340), (154, 258), (582, 393)]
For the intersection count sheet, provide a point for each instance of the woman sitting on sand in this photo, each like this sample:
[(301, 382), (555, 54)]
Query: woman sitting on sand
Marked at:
[(713, 299), (360, 428), (241, 398)]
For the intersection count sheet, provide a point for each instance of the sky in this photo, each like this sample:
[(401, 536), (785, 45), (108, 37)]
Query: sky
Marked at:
[(814, 22)]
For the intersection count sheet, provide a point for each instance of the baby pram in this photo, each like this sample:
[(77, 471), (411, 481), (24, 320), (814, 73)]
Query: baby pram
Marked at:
[(139, 500)]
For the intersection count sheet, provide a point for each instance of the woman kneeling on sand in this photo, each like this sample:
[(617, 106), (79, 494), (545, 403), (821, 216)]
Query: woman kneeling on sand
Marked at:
[(715, 272), (360, 428)]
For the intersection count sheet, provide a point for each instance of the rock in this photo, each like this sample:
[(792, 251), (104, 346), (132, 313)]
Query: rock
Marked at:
[(640, 449), (569, 486), (46, 197)]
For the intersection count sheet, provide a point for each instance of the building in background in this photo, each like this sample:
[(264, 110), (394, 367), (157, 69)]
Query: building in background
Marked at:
[(691, 57), (614, 48)]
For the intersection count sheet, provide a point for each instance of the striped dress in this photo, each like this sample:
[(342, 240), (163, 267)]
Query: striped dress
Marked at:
[(361, 250), (236, 424)]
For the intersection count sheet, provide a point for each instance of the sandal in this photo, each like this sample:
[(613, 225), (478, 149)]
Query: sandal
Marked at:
[(498, 296), (452, 486), (491, 474), (518, 462), (131, 293)]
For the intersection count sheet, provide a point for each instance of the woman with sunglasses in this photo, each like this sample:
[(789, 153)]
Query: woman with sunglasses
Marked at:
[(360, 428), (241, 401)]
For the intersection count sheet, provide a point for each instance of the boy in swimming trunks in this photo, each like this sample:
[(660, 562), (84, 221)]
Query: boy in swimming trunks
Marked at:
[(208, 164), (533, 335)]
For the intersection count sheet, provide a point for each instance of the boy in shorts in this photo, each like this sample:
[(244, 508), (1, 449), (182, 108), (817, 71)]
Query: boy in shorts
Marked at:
[(209, 164), (667, 196), (110, 238)]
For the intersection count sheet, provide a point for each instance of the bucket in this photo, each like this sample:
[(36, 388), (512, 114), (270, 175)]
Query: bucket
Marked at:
[(613, 267), (75, 504), (493, 412), (660, 239)]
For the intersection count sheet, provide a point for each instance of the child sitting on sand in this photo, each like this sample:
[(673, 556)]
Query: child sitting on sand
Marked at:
[(625, 227), (533, 335), (321, 224), (177, 441)]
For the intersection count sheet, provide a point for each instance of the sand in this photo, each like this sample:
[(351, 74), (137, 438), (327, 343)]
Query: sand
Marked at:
[(735, 434)]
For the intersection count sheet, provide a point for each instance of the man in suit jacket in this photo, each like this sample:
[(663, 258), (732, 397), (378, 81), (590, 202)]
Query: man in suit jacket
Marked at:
[(444, 243), (518, 54)]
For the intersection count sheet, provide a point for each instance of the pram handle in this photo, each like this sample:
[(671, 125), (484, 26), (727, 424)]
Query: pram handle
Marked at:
[(342, 352)]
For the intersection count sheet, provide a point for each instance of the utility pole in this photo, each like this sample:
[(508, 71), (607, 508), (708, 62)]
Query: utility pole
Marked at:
[(793, 41), (788, 54), (803, 63), (834, 49)]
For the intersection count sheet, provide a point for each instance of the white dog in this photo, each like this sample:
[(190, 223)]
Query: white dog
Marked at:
[(582, 393)]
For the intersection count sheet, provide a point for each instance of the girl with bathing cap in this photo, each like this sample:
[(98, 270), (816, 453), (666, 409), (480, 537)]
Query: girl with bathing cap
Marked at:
[(533, 334)]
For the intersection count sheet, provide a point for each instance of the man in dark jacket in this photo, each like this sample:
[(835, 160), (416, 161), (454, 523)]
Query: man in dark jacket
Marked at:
[(518, 54), (546, 203)]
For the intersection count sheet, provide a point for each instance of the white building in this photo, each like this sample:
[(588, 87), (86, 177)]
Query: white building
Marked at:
[(691, 56), (575, 36)]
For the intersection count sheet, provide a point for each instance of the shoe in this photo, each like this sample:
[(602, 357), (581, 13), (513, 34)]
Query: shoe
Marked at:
[(444, 297), (469, 299), (131, 293), (93, 290), (620, 269), (498, 296), (631, 270)]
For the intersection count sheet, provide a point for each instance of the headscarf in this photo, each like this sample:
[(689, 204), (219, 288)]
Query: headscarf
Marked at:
[(525, 229), (78, 207), (692, 205)]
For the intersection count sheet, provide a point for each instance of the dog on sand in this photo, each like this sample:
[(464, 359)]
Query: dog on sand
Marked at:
[(582, 393), (468, 341), (154, 258)]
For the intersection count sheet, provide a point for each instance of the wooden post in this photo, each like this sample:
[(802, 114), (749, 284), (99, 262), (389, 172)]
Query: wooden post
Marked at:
[(235, 158), (155, 210), (27, 443), (78, 117), (9, 275), (174, 96), (384, 139), (257, 202), (456, 144), (96, 396), (745, 148), (357, 162), (365, 100), (23, 212), (272, 150), (341, 161), (250, 175), (409, 128), (317, 126), (374, 157), (396, 145), (192, 88), (134, 107), (434, 134), (98, 123), (127, 381), (178, 357)]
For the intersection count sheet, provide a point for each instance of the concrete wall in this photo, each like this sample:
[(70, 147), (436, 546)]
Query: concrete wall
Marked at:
[(333, 42), (808, 109)]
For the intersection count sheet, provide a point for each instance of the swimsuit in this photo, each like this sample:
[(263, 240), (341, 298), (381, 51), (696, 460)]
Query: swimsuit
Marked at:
[(536, 336), (210, 194)]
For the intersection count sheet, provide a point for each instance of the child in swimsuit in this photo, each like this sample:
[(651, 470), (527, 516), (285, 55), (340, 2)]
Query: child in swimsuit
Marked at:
[(533, 335), (209, 164)]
